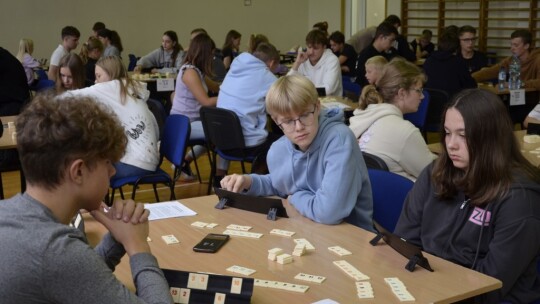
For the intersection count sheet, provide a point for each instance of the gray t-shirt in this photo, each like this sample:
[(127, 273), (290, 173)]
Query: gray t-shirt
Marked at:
[(45, 261)]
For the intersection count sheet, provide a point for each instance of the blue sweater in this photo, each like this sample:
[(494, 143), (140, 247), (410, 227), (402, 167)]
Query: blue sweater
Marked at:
[(243, 91), (328, 183)]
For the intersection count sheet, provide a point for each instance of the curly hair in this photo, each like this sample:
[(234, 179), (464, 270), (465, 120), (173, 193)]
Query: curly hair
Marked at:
[(53, 131)]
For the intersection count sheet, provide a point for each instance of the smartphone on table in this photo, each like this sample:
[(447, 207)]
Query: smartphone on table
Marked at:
[(211, 243)]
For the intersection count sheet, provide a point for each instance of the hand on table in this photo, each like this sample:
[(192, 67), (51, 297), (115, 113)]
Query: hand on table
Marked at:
[(236, 182)]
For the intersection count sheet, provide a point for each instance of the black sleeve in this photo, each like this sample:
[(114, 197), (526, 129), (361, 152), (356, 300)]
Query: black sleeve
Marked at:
[(361, 69), (404, 50)]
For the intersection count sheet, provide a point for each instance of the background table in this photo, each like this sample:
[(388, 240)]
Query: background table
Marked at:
[(449, 282), (7, 141), (526, 148)]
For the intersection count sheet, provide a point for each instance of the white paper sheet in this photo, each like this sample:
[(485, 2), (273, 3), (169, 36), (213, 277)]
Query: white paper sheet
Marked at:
[(165, 210)]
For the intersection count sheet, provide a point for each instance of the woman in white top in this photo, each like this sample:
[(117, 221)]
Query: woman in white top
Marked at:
[(379, 124), (127, 98), (167, 58)]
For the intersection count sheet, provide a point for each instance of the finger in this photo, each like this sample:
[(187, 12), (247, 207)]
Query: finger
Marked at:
[(137, 213), (238, 185), (127, 213), (100, 216), (118, 207), (145, 216)]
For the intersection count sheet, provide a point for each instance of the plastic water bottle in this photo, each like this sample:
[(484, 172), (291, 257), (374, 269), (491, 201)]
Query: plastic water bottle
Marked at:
[(502, 78), (514, 71)]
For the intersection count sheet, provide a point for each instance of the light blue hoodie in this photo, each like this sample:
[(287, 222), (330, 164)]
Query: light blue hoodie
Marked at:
[(243, 91), (328, 183)]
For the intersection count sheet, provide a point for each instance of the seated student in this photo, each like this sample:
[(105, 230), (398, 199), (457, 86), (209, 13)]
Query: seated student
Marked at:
[(379, 124), (385, 35), (14, 90), (422, 45), (321, 26), (533, 116), (478, 204), (318, 64), (474, 60), (374, 67), (90, 53), (255, 40), (67, 146), (231, 48), (317, 164), (243, 91), (444, 70), (191, 91), (401, 46), (70, 41), (345, 53), (521, 46), (111, 41), (97, 27), (26, 48), (167, 58), (71, 73), (127, 98)]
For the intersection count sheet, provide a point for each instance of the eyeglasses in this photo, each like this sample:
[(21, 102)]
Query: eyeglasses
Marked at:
[(469, 40), (305, 119), (419, 91)]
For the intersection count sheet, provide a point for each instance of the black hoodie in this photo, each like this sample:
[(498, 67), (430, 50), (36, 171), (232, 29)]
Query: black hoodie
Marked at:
[(504, 244)]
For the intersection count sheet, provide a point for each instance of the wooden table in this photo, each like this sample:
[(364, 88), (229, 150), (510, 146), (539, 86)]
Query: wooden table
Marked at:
[(526, 148), (449, 282), (8, 141)]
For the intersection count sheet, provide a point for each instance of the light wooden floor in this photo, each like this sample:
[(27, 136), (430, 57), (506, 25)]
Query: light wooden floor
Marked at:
[(183, 189)]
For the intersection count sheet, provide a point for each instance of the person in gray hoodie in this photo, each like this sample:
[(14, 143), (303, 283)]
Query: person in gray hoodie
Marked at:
[(243, 91), (478, 204), (379, 124)]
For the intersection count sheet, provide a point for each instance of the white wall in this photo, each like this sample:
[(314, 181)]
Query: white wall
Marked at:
[(325, 10), (141, 23)]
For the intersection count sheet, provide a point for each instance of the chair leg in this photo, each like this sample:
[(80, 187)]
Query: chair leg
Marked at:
[(121, 193), (212, 172), (243, 167), (196, 165), (155, 192), (133, 191), (173, 195)]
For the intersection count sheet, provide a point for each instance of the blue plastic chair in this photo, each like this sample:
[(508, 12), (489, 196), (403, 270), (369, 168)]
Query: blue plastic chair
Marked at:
[(44, 84), (418, 118), (42, 75), (132, 62), (173, 147), (351, 89), (389, 192)]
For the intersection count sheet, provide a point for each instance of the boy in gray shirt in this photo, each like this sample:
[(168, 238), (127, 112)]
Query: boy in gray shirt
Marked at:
[(67, 146)]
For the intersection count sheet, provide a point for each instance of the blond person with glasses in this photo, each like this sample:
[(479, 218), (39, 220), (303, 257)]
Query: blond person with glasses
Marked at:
[(317, 165), (379, 125), (474, 60)]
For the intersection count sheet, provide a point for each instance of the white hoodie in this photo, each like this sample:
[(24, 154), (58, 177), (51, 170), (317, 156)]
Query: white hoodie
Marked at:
[(382, 131), (326, 73)]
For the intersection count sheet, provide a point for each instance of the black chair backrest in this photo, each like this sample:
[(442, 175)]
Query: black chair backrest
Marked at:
[(437, 103), (157, 108), (374, 162), (222, 128)]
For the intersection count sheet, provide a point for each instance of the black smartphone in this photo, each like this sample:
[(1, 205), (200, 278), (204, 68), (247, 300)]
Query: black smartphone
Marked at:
[(211, 243)]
